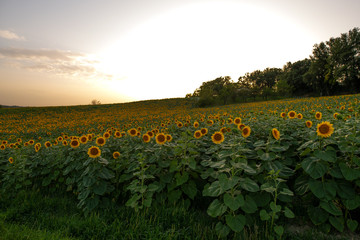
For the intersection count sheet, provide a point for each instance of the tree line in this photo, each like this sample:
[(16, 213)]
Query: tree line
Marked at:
[(333, 68)]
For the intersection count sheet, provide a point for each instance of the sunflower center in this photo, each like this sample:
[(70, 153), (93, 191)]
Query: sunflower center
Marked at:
[(94, 151), (324, 129), (161, 138), (245, 131), (218, 137)]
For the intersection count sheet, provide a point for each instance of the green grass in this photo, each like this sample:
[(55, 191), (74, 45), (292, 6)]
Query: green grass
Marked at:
[(32, 215)]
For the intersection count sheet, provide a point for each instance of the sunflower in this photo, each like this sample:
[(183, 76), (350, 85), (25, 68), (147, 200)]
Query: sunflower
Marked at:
[(168, 137), (325, 129), (283, 114), (75, 143), (31, 142), (83, 139), (47, 144), (64, 143), (197, 134), (275, 133), (179, 124), (223, 130), (37, 147), (90, 136), (217, 137), (11, 160), (94, 152), (292, 114), (101, 141), (146, 138), (237, 121), (246, 131), (150, 133), (230, 121), (106, 135), (160, 138), (133, 132), (204, 131), (196, 124), (2, 147), (26, 144), (117, 134), (299, 116), (318, 115), (210, 122), (116, 155), (335, 115), (241, 126), (60, 139), (309, 123), (19, 140)]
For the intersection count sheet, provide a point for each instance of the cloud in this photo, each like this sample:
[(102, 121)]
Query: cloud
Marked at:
[(10, 35), (65, 63)]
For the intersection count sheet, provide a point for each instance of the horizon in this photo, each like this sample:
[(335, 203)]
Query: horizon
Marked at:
[(69, 53)]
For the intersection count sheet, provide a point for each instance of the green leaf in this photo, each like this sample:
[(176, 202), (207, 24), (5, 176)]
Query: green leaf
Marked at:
[(153, 187), (132, 202), (337, 222), (249, 185), (275, 208), (331, 208), (99, 187), (105, 173), (174, 166), (314, 167), (349, 173), (264, 216), (352, 224), (236, 223), (288, 213), (227, 183), (216, 208), (192, 163), (323, 190), (190, 189), (233, 202), (91, 203), (268, 156), (250, 205), (181, 179), (213, 190), (328, 155), (279, 230), (286, 191), (352, 204), (317, 215), (222, 230)]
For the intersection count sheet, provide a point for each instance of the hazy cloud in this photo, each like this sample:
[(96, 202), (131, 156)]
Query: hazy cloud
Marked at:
[(64, 63), (10, 35)]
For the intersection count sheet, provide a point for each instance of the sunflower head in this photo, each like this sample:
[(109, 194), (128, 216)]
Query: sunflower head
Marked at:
[(106, 135), (11, 160), (116, 155), (83, 139), (117, 134), (146, 138), (292, 114), (64, 143), (74, 143), (217, 137), (275, 133), (318, 115), (299, 116), (168, 137), (160, 138), (283, 114), (133, 132), (100, 141), (309, 124), (197, 134), (237, 121), (94, 152), (196, 124), (325, 129), (246, 131), (2, 147), (31, 142), (335, 115), (204, 131), (47, 144)]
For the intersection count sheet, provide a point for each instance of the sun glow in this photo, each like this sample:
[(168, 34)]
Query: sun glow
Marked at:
[(172, 54)]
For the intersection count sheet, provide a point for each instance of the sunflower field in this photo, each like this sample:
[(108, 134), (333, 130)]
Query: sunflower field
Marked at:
[(265, 162)]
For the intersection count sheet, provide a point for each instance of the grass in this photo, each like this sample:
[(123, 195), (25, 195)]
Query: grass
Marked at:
[(31, 215)]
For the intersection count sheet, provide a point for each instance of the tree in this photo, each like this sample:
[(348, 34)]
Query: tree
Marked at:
[(293, 75), (95, 102)]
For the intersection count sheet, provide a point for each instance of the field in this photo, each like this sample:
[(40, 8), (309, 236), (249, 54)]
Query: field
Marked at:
[(254, 170)]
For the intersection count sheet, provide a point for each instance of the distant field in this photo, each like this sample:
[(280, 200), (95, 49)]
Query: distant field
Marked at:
[(256, 164)]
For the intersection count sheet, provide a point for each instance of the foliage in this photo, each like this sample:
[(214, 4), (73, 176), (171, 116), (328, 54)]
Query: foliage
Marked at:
[(241, 180)]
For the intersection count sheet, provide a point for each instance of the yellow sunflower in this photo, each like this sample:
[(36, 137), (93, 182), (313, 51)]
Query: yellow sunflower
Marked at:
[(196, 124), (83, 139), (292, 114), (318, 115), (325, 129), (335, 115), (275, 133), (75, 143), (160, 138), (146, 138), (106, 135), (237, 121), (11, 160), (283, 114), (197, 134), (168, 137), (101, 141), (47, 144), (299, 116), (217, 137), (204, 131), (2, 147), (246, 131), (64, 143), (37, 147), (94, 152), (309, 123), (117, 134), (116, 155), (133, 132)]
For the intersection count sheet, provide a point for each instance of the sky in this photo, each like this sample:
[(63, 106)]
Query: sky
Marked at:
[(61, 53)]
